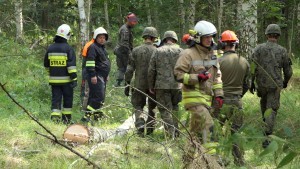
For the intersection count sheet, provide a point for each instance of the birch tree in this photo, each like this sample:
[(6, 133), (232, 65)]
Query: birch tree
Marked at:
[(192, 8), (220, 15), (182, 17), (247, 13), (83, 24), (106, 14), (88, 5), (148, 12), (19, 20)]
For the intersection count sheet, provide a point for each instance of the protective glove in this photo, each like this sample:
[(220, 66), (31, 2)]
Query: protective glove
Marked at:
[(220, 101), (252, 88), (285, 84), (73, 84), (127, 89), (203, 76)]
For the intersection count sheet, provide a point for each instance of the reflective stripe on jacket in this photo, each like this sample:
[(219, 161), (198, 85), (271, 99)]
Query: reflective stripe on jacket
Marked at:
[(60, 60), (191, 62)]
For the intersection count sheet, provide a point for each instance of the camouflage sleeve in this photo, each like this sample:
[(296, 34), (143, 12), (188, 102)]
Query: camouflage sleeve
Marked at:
[(287, 67), (182, 70), (124, 41), (152, 70), (253, 64), (217, 83), (130, 67)]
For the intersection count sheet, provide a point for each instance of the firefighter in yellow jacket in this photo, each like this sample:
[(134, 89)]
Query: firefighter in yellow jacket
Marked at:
[(197, 68)]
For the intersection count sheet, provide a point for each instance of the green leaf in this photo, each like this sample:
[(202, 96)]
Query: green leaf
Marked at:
[(277, 138), (273, 146), (287, 159)]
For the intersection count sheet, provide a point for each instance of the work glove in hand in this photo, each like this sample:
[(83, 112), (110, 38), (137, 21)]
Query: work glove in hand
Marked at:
[(219, 101), (285, 84), (252, 88), (203, 76), (73, 84)]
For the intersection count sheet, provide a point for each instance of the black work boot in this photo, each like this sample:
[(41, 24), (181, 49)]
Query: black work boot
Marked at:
[(86, 118), (55, 118), (66, 118), (98, 115)]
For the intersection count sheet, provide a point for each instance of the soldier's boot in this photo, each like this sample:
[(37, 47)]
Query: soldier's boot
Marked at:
[(140, 126), (56, 116), (238, 155), (269, 125), (150, 125), (118, 83)]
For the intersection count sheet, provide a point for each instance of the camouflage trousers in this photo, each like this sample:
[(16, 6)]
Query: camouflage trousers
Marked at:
[(269, 104), (138, 101), (168, 108), (200, 124), (122, 61), (232, 112)]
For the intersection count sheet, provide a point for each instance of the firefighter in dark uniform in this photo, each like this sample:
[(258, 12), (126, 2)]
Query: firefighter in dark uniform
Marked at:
[(60, 61), (98, 68)]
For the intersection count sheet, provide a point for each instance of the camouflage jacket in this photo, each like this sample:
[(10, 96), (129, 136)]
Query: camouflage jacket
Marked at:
[(268, 61), (138, 64), (235, 73), (125, 40), (161, 69)]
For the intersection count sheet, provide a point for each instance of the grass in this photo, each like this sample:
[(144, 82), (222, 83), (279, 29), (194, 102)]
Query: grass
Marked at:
[(20, 147)]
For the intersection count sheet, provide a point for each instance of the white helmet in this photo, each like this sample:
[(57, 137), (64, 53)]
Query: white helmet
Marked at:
[(204, 28), (64, 31), (99, 31)]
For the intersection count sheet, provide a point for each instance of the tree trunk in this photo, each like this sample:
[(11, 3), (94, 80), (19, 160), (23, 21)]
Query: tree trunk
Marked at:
[(220, 15), (83, 24), (88, 5), (106, 14), (248, 31), (182, 17), (192, 8), (121, 18), (148, 13), (19, 20)]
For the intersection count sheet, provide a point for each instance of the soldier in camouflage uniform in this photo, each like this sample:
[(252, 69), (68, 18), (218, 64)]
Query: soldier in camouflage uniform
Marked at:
[(138, 65), (268, 61), (198, 69), (124, 46), (235, 77), (161, 78)]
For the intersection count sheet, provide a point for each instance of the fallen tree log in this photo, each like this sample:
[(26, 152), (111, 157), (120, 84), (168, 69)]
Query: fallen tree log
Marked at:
[(80, 134)]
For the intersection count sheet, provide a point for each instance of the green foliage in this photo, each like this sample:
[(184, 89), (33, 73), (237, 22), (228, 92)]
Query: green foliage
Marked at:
[(287, 159)]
